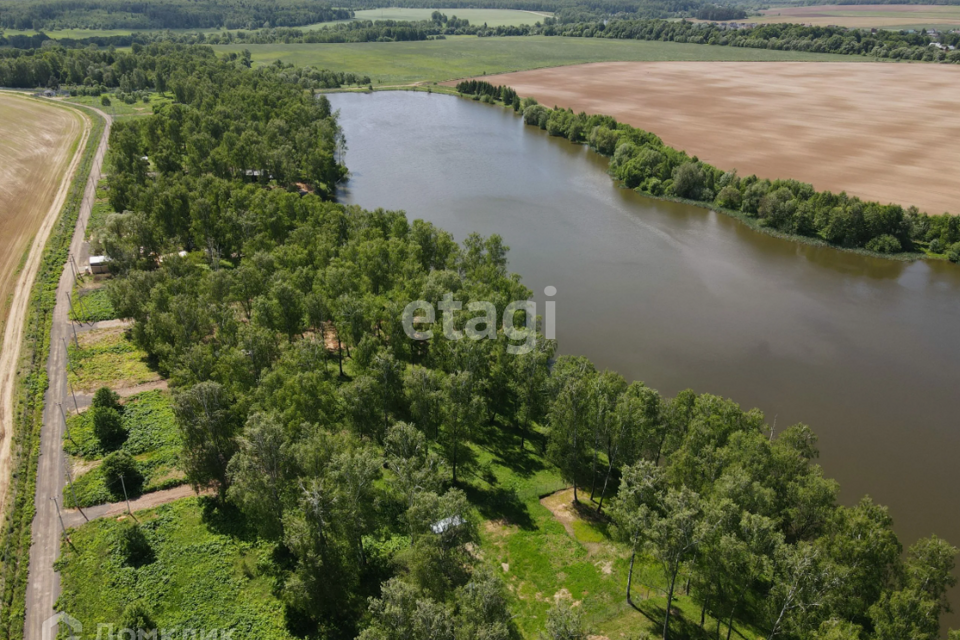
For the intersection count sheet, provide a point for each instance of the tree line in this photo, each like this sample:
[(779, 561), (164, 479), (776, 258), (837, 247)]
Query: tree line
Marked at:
[(91, 71), (163, 14), (879, 43), (304, 405), (641, 161)]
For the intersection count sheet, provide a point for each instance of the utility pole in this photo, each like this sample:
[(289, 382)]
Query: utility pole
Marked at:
[(66, 425), (66, 347), (63, 527), (76, 405), (126, 498), (76, 503)]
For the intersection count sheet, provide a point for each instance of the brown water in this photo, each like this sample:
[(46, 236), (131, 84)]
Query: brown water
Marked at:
[(866, 351)]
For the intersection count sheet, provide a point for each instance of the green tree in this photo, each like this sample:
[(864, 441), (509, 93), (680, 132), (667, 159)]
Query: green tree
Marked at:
[(119, 469), (637, 505), (108, 427), (568, 438), (261, 473), (208, 428)]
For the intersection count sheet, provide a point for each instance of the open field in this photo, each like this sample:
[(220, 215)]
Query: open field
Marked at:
[(866, 15), (37, 155), (36, 141), (492, 17), (875, 130), (464, 56)]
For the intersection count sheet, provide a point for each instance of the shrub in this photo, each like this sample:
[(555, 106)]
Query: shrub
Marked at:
[(729, 197), (689, 181), (137, 616), (884, 244), (108, 427), (121, 464), (136, 552), (106, 398), (935, 246), (953, 253), (105, 101)]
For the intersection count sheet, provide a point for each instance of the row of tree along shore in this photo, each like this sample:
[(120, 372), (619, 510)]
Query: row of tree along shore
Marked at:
[(641, 161)]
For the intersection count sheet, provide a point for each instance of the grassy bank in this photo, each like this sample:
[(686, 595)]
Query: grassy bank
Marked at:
[(463, 56), (32, 384)]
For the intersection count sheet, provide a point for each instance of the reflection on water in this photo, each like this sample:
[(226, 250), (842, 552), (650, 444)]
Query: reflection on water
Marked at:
[(864, 350)]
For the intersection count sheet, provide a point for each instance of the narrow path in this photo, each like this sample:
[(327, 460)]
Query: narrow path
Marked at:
[(12, 346), (43, 583), (73, 517)]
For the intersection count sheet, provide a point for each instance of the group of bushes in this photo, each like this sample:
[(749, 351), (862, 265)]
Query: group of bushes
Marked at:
[(641, 161), (482, 90)]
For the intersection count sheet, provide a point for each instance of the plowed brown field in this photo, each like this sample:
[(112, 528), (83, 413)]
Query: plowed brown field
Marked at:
[(35, 144), (883, 132)]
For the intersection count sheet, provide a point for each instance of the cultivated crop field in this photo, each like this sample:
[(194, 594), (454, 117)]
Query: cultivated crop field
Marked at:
[(878, 131), (866, 15), (36, 144), (463, 56)]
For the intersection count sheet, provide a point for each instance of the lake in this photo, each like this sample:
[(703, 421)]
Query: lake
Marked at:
[(864, 350)]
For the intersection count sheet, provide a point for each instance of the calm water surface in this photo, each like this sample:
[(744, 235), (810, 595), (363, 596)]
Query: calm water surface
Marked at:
[(866, 351)]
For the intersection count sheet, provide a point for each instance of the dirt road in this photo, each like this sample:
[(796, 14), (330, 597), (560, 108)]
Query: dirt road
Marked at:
[(33, 166), (43, 585), (878, 131)]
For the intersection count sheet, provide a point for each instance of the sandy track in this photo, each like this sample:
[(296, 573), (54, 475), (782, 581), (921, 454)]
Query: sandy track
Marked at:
[(35, 178), (880, 131), (73, 517)]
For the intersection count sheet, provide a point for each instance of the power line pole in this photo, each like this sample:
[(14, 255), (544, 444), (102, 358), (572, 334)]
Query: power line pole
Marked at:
[(76, 503), (66, 425), (76, 405), (126, 498), (63, 527)]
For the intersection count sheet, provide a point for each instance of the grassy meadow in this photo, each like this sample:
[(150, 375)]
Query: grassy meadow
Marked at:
[(464, 56)]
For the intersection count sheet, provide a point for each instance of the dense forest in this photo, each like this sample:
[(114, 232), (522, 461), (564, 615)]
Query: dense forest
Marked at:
[(277, 315), (640, 160), (163, 14)]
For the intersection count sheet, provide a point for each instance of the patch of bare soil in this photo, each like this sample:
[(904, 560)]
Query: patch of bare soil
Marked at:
[(878, 131)]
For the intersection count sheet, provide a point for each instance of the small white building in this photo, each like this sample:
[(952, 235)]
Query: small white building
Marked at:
[(99, 264)]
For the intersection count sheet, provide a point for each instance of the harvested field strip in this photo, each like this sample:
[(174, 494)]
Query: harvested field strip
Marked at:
[(876, 131), (30, 389), (37, 142)]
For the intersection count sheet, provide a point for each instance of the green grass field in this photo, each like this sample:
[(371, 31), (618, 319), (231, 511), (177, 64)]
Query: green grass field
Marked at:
[(463, 56), (205, 573), (152, 439), (492, 17), (106, 358), (119, 108)]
